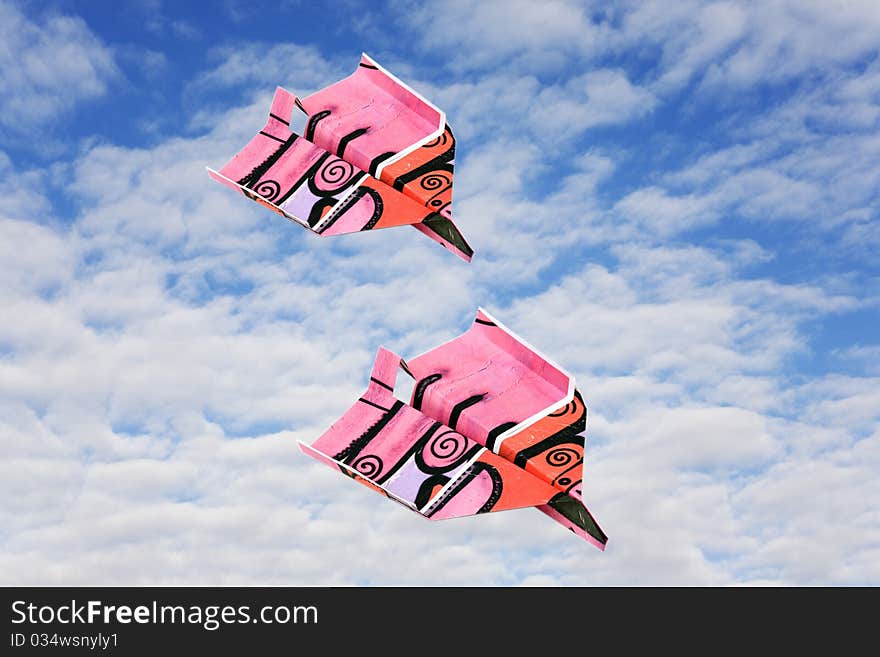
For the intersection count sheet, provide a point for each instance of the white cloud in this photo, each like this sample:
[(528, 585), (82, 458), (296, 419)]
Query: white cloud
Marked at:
[(600, 97), (301, 69), (782, 167), (725, 46), (653, 209), (48, 66), (520, 34), (868, 356), (787, 38)]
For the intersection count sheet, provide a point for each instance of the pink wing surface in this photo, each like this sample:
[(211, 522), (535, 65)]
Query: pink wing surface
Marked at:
[(375, 154), (492, 425)]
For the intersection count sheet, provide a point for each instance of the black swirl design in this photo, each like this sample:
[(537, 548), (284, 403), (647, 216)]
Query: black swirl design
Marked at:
[(439, 163), (447, 446), (435, 181), (268, 189), (442, 139), (562, 456), (335, 174), (570, 477), (444, 451), (568, 408), (369, 466)]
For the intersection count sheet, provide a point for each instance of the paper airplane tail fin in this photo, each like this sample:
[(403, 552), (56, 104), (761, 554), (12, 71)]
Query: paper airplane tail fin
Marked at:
[(571, 513), (442, 230), (245, 171), (266, 146)]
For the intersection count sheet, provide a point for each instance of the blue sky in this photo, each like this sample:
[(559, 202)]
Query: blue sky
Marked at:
[(678, 202)]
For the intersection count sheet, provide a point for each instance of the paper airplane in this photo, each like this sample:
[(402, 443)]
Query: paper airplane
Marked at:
[(491, 425), (375, 154)]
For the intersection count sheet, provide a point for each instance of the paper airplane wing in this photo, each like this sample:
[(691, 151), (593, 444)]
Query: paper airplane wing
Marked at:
[(374, 155), (421, 462), (446, 458)]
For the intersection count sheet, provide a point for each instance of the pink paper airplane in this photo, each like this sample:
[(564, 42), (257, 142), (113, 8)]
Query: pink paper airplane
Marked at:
[(375, 154), (491, 425)]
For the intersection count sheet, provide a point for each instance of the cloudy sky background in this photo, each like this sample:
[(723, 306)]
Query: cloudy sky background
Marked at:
[(676, 201)]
